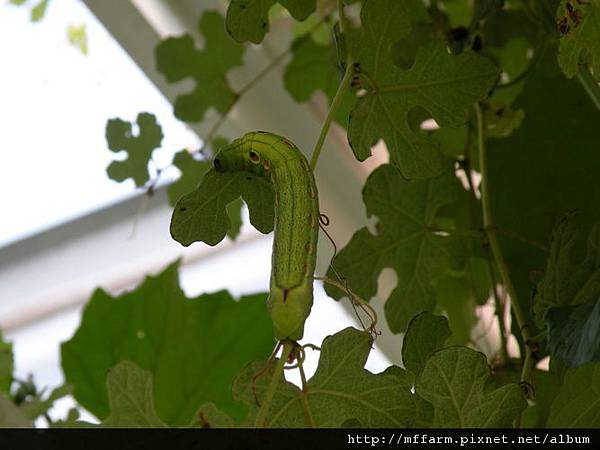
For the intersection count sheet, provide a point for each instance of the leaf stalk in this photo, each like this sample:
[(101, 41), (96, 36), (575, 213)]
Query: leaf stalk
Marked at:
[(492, 237), (261, 418), (339, 95)]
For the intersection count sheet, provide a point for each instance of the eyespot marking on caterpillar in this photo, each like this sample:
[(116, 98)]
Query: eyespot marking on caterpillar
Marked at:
[(254, 157), (267, 165), (217, 164)]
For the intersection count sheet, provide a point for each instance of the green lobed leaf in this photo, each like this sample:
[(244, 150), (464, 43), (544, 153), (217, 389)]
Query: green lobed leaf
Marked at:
[(139, 148), (577, 404), (11, 416), (404, 242), (177, 58), (454, 381), (7, 365), (426, 333), (581, 43), (570, 279), (130, 398), (192, 172), (201, 215), (192, 347), (248, 20), (340, 391), (548, 166), (209, 416), (443, 85)]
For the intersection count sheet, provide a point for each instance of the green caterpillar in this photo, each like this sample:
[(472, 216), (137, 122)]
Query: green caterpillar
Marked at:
[(296, 223)]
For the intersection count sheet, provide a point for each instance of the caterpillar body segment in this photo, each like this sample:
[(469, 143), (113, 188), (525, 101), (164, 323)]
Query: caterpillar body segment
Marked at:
[(296, 223)]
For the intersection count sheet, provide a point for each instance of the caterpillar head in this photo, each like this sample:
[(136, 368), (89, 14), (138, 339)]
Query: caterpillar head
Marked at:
[(242, 156)]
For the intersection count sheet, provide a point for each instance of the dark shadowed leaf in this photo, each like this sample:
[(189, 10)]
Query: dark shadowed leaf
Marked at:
[(547, 167), (570, 277), (577, 404), (425, 334), (574, 333)]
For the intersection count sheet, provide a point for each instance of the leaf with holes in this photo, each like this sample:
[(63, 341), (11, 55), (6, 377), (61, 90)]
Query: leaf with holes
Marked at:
[(581, 42), (139, 148), (405, 242), (341, 390), (248, 20), (177, 59), (201, 215), (158, 328), (454, 381), (443, 85)]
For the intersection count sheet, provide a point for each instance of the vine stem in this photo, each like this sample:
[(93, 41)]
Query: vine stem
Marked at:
[(590, 84), (499, 311), (277, 374), (339, 95), (337, 100), (490, 230)]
